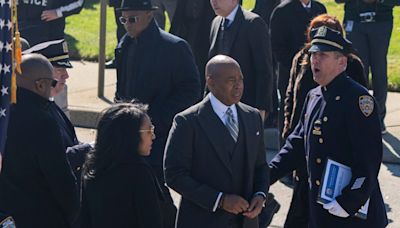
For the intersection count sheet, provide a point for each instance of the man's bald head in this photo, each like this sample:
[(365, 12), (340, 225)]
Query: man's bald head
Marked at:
[(224, 79), (219, 62), (37, 74)]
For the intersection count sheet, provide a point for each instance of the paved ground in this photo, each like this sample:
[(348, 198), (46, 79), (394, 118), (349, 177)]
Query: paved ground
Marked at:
[(389, 178), (85, 106)]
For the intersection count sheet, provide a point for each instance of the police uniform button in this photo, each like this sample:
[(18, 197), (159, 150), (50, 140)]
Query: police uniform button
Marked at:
[(337, 98), (317, 182), (318, 160), (78, 168), (321, 140), (325, 119), (297, 178)]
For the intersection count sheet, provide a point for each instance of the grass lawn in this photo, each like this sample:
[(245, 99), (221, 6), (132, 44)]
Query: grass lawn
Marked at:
[(83, 35)]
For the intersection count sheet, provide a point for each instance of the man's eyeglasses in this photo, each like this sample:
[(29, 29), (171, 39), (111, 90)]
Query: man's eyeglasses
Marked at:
[(53, 81), (125, 20), (151, 130)]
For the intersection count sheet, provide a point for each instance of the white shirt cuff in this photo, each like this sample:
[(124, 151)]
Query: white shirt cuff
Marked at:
[(261, 193), (217, 201), (59, 13)]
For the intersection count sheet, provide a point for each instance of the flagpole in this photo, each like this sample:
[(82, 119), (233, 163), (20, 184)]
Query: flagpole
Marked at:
[(102, 47), (16, 51)]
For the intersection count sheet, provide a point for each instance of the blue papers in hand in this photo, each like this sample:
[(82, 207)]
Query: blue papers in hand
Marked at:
[(336, 177)]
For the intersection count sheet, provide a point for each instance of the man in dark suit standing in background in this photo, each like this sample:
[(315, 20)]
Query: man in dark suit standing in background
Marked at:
[(264, 8), (289, 22), (215, 155), (158, 69), (192, 22), (243, 36)]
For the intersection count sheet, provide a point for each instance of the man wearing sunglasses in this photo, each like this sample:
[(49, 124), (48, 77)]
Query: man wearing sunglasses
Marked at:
[(37, 186), (156, 68), (76, 150)]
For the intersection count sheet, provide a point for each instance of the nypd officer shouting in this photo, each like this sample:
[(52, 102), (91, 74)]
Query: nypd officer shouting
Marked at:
[(340, 122)]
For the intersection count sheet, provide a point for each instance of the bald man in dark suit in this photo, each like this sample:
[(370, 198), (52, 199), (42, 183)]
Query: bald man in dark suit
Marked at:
[(215, 155)]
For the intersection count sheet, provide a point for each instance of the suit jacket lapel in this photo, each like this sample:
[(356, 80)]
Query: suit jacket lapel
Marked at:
[(214, 34), (207, 119)]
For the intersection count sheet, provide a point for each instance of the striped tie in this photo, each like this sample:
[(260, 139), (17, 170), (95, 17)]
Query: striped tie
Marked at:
[(231, 124)]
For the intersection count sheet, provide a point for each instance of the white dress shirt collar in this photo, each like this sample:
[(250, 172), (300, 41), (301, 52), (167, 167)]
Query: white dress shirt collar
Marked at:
[(232, 15), (220, 109), (306, 5)]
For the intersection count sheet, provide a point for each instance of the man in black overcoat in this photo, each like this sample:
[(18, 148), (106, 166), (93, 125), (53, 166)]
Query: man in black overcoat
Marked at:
[(215, 155), (37, 186), (243, 35), (158, 69)]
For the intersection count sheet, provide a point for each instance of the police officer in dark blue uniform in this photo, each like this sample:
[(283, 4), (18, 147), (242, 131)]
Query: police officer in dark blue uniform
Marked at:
[(44, 20), (340, 122)]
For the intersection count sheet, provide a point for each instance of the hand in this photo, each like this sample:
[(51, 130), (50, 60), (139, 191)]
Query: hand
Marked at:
[(335, 209), (49, 15), (255, 208), (234, 204)]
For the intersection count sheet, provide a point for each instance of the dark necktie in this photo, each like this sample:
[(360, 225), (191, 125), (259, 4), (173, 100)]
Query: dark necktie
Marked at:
[(222, 37), (231, 124), (225, 24)]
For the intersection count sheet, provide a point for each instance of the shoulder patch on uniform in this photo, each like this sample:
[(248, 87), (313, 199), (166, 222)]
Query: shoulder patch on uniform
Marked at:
[(366, 104)]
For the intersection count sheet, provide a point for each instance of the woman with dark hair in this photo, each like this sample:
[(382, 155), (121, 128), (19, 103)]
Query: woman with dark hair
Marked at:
[(119, 188), (300, 83)]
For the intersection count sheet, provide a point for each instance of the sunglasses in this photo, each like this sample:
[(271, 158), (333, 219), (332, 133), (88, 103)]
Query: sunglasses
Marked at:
[(149, 130), (125, 20), (53, 81)]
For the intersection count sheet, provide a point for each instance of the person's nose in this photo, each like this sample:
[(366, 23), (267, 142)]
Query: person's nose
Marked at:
[(314, 59), (66, 75), (213, 2)]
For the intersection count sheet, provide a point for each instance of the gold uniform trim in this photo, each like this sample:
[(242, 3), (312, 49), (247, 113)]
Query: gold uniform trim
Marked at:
[(327, 42), (59, 58)]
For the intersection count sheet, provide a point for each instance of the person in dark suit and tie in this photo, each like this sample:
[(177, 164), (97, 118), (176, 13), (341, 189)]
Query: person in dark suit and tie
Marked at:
[(215, 155), (289, 22), (243, 35)]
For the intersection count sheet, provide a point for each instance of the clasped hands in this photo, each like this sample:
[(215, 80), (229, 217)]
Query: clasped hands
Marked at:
[(237, 205)]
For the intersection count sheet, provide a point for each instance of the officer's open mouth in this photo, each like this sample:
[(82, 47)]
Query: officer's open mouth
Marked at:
[(316, 70)]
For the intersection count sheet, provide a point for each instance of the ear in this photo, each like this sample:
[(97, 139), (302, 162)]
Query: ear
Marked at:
[(149, 14), (209, 81), (39, 85), (343, 61)]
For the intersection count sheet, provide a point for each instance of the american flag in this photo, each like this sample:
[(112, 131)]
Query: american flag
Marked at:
[(5, 68)]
